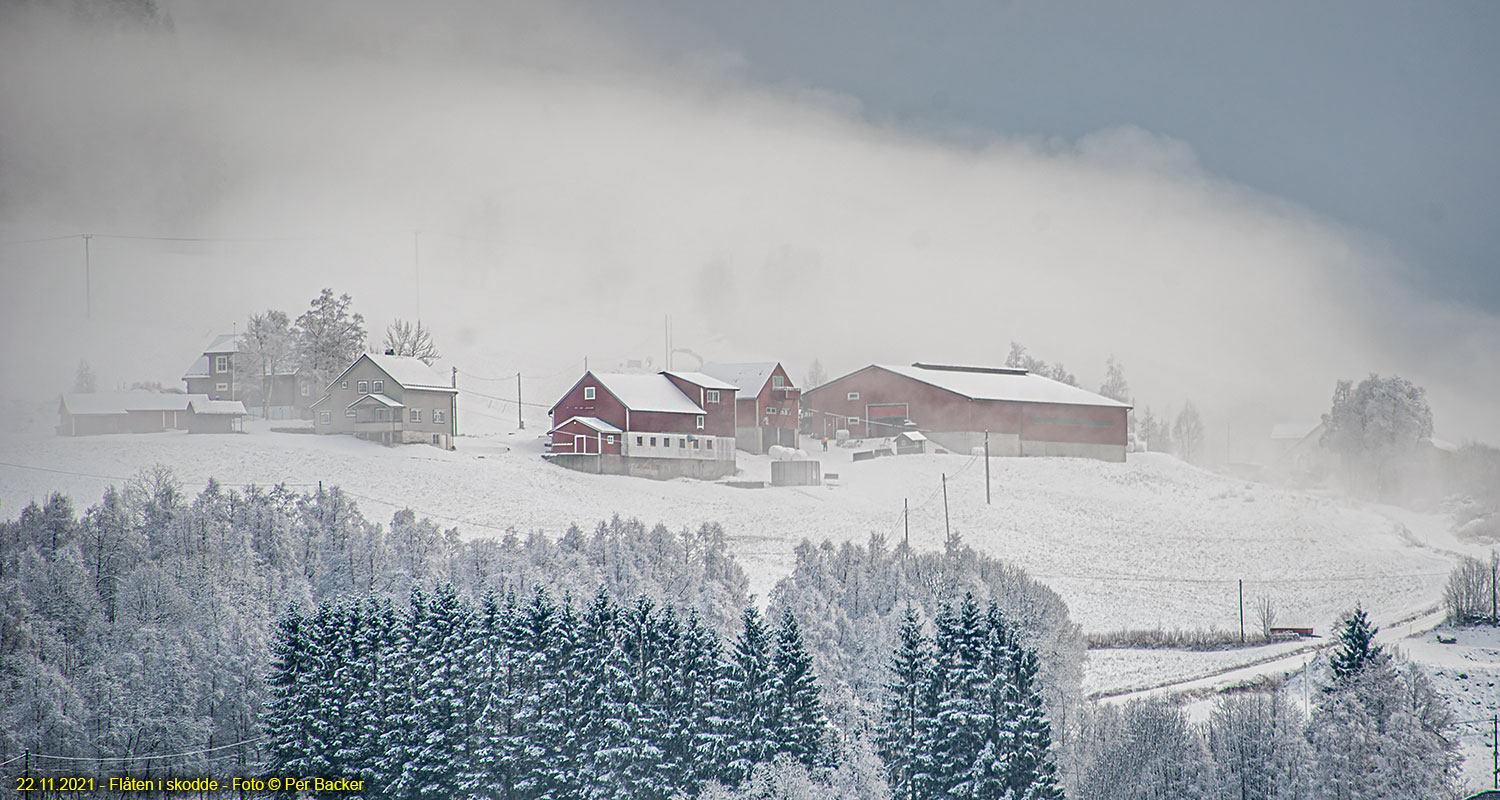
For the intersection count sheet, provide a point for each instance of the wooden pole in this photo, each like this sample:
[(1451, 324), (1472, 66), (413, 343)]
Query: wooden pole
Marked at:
[(986, 467), (1242, 611), (947, 532), (88, 279), (906, 520), (520, 423)]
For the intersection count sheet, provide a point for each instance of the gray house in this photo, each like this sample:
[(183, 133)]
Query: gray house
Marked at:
[(390, 399), (221, 373)]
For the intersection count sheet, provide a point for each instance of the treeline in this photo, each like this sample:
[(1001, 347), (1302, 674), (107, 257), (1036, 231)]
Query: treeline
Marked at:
[(963, 714), (535, 698), (1377, 729), (140, 629), (852, 600)]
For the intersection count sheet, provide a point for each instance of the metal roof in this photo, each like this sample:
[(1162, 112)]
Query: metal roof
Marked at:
[(200, 404), (749, 377), (106, 403), (983, 383), (647, 392), (703, 379), (591, 422)]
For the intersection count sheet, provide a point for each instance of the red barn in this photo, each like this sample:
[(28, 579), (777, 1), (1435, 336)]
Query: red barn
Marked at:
[(669, 424), (1024, 414), (769, 405)]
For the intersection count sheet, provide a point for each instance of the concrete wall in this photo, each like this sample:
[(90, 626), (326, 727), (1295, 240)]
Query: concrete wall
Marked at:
[(1002, 445), (1103, 452), (654, 468), (796, 473)]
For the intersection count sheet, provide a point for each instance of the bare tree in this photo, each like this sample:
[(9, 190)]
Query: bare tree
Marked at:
[(816, 375), (1188, 431), (267, 347), (83, 379), (1265, 612), (402, 338)]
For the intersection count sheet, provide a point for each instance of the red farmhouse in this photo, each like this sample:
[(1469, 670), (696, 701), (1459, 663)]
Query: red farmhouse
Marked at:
[(669, 424), (1024, 414), (768, 405)]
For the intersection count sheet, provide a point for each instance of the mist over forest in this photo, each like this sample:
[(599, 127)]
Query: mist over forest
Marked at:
[(540, 184)]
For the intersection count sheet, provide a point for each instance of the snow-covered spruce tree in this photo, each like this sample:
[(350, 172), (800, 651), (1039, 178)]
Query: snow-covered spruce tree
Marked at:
[(1357, 647), (490, 764), (962, 726), (651, 639), (290, 712), (441, 718), (801, 729), (751, 693), (708, 697), (402, 733), (903, 721), (1032, 766), (604, 715)]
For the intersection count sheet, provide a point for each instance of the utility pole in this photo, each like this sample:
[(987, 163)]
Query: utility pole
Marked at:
[(1242, 611), (906, 520), (88, 279), (453, 411), (986, 467), (1495, 751), (1494, 620), (947, 532), (520, 423)]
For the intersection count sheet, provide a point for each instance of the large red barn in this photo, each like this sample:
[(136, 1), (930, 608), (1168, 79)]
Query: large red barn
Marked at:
[(1024, 414)]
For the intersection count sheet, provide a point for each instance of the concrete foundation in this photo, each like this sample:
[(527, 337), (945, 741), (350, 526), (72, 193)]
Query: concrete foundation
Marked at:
[(641, 467)]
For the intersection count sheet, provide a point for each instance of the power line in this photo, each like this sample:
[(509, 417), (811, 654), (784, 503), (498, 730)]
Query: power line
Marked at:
[(140, 756), (43, 239), (502, 399)]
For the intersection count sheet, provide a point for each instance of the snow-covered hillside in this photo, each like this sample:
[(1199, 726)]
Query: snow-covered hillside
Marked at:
[(1153, 542)]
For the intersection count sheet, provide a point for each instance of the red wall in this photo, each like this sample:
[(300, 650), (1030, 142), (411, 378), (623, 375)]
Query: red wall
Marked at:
[(770, 398), (940, 410), (604, 405), (720, 419)]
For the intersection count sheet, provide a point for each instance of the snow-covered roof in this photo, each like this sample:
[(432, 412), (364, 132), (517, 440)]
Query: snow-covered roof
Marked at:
[(105, 403), (1442, 444), (979, 383), (224, 343), (408, 371), (703, 379), (647, 392), (200, 404), (749, 377), (591, 422), (1294, 430), (199, 369), (379, 398), (913, 436)]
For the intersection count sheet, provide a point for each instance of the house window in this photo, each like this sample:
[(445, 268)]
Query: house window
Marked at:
[(437, 416), (344, 385), (699, 421), (682, 444), (221, 387), (609, 440), (324, 417), (382, 414), (351, 413), (854, 420), (778, 382), (416, 415), (306, 389), (588, 393), (379, 387), (364, 387), (653, 441), (695, 444), (437, 439), (713, 395), (221, 363), (854, 395), (637, 441)]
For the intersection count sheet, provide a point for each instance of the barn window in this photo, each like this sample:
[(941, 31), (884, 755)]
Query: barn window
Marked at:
[(710, 444), (324, 418), (638, 441), (682, 444), (854, 395), (364, 387), (653, 441), (588, 393), (713, 395), (854, 420), (695, 444), (378, 387), (699, 422), (609, 439)]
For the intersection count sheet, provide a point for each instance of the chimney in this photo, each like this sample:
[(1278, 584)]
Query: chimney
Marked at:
[(389, 351)]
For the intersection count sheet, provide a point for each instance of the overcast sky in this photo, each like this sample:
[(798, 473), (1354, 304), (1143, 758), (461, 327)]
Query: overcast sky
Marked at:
[(1243, 206), (1381, 115)]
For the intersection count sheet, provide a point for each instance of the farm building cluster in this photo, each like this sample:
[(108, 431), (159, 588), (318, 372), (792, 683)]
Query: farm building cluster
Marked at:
[(673, 423)]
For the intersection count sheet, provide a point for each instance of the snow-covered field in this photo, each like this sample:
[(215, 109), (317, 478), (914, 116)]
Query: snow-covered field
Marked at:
[(1150, 543)]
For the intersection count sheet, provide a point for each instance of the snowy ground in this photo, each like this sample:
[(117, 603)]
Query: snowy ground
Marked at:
[(1467, 672), (1146, 544), (1150, 543)]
